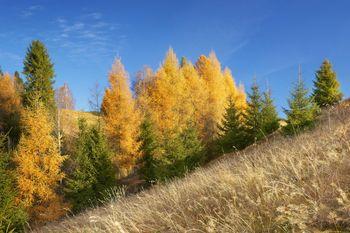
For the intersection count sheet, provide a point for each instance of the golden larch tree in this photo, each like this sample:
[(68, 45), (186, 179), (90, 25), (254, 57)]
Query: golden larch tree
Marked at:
[(230, 86), (39, 166), (209, 69), (121, 119), (9, 98), (196, 96), (220, 87), (241, 98), (143, 88), (233, 91), (167, 96), (10, 107)]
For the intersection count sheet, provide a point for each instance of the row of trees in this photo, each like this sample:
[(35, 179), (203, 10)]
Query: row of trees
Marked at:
[(173, 116), (190, 113), (242, 128), (174, 119)]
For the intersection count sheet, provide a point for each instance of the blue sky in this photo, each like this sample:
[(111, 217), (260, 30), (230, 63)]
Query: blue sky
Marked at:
[(263, 38)]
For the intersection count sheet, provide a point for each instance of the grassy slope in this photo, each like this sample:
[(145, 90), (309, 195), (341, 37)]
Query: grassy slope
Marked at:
[(69, 120), (282, 185)]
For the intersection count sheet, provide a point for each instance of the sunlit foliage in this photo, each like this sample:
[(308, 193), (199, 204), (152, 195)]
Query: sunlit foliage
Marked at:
[(39, 166), (10, 108), (121, 119)]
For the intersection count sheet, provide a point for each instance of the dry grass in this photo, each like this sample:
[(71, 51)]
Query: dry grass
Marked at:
[(69, 120), (69, 125), (299, 184)]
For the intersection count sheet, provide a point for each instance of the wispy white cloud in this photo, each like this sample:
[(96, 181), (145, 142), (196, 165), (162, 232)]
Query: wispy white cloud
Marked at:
[(278, 69), (239, 46), (99, 25), (239, 36), (74, 27), (61, 21), (84, 37), (31, 10), (94, 15), (87, 36)]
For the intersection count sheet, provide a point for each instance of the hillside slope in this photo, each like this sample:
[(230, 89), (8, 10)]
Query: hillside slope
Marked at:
[(299, 184), (69, 120)]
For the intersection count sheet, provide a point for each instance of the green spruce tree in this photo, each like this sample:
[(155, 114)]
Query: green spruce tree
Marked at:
[(183, 153), (39, 73), (94, 173), (302, 110), (12, 215), (148, 149), (269, 114), (193, 146), (253, 116), (231, 131), (326, 86)]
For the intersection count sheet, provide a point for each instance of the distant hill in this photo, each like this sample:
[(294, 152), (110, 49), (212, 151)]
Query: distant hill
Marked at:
[(294, 184), (69, 120)]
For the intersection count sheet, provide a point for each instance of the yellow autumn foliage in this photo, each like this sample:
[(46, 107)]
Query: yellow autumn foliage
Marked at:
[(9, 98), (175, 96), (196, 96), (10, 101), (39, 167), (121, 119), (143, 88), (233, 91), (241, 98), (220, 86), (167, 97)]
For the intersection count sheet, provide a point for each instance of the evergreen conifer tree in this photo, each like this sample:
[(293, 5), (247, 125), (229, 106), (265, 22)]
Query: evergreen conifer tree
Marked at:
[(182, 153), (39, 73), (94, 173), (269, 114), (326, 91), (302, 110), (253, 115), (231, 134), (148, 149), (193, 146)]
